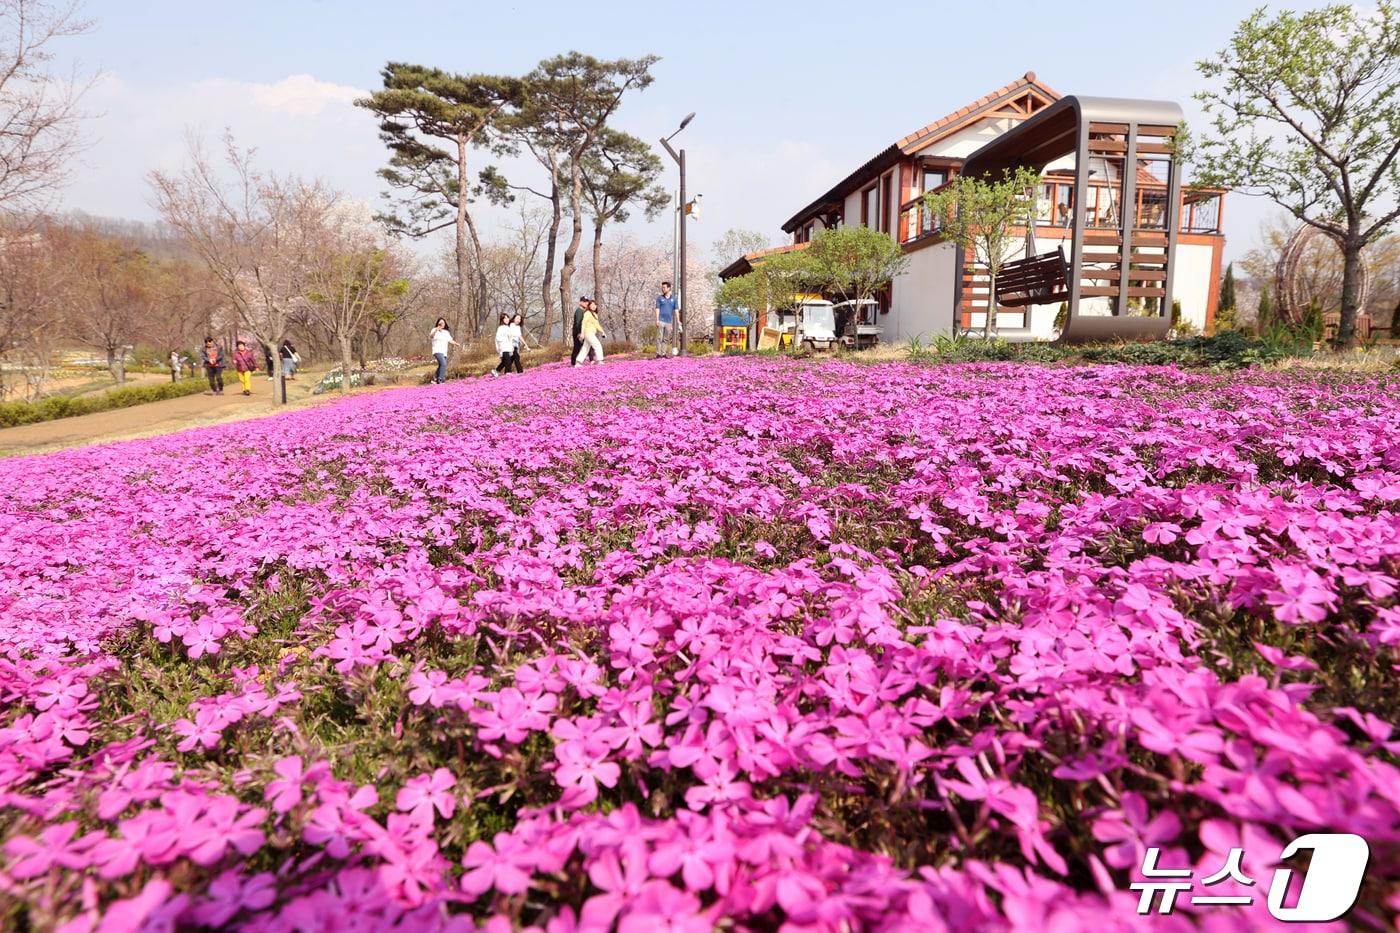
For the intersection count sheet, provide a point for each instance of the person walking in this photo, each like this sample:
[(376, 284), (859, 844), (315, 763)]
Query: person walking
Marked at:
[(517, 335), (245, 363), (290, 359), (175, 366), (505, 345), (267, 359), (213, 357), (442, 340), (590, 330), (665, 319), (579, 312)]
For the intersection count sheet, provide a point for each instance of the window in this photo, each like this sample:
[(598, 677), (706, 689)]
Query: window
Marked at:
[(870, 207), (1064, 204), (1044, 204), (934, 178)]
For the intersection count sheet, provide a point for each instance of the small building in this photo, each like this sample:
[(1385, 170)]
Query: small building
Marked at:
[(943, 292)]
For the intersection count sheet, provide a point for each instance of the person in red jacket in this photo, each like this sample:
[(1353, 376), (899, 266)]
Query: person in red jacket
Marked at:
[(245, 363)]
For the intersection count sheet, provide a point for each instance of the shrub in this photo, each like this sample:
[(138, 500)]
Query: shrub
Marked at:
[(1229, 350), (60, 406)]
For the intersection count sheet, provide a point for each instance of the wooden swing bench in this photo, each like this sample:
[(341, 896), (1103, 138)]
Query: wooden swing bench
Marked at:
[(1035, 280)]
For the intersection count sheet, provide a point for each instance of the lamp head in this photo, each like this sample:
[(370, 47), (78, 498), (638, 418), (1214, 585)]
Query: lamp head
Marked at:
[(686, 122)]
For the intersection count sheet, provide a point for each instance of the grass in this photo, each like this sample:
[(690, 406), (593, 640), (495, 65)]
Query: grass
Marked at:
[(63, 406)]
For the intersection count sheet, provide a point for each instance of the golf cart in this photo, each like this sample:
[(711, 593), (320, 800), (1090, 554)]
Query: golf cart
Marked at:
[(815, 327), (859, 329)]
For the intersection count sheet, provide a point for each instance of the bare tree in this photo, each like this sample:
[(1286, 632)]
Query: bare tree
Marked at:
[(32, 286), (514, 268), (184, 304), (112, 290), (628, 272), (38, 110), (357, 277), (259, 234)]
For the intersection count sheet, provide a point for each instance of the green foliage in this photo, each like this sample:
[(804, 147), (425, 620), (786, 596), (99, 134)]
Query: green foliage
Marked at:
[(1230, 350), (853, 262), (1180, 327), (1305, 110), (50, 409), (618, 172), (979, 214), (424, 114), (735, 244), (1267, 317), (777, 282), (1227, 291)]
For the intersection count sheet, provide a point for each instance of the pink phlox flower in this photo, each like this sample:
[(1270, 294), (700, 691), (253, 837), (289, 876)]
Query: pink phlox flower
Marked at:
[(285, 793), (514, 715), (132, 914), (504, 865), (428, 792), (635, 728), (661, 908), (145, 782), (339, 820), (695, 852), (206, 730), (55, 847), (1131, 831), (225, 823), (720, 785), (584, 764), (620, 874), (1302, 595), (410, 866)]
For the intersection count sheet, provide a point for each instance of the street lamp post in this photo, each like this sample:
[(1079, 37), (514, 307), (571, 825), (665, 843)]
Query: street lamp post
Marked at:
[(682, 310)]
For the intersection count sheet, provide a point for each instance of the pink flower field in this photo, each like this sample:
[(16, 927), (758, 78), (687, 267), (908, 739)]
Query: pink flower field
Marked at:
[(741, 643)]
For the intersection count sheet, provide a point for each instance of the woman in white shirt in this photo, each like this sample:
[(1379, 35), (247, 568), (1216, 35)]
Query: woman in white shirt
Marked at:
[(442, 339), (505, 345), (517, 334)]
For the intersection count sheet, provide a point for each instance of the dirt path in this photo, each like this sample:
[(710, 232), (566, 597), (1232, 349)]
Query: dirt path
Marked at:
[(162, 417)]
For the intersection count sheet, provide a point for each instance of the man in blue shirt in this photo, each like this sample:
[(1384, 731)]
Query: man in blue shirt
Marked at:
[(665, 319)]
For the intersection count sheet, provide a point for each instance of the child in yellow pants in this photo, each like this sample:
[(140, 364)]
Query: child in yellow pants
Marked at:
[(245, 363)]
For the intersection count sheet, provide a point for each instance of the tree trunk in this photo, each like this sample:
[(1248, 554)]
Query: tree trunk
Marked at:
[(551, 251), (274, 340), (114, 365), (479, 311), (597, 263), (990, 330), (566, 271), (345, 364), (360, 343), (1351, 282), (461, 230)]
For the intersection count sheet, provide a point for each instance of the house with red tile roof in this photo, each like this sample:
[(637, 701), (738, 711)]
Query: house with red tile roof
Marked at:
[(943, 292)]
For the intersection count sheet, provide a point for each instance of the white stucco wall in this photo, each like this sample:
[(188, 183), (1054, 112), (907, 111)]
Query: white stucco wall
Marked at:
[(965, 142), (1191, 283), (923, 297), (921, 303)]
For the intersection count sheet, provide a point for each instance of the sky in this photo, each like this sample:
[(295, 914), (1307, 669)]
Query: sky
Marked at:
[(789, 97)]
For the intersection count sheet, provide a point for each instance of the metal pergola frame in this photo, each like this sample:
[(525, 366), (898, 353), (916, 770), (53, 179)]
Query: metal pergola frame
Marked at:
[(1089, 127)]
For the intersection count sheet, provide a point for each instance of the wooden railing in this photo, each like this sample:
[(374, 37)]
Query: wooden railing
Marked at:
[(1200, 213)]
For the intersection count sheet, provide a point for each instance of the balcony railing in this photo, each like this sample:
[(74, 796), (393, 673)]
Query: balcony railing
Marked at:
[(1200, 210)]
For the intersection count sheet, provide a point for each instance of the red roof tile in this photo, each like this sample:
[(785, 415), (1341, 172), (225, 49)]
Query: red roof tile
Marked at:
[(1025, 81), (923, 137)]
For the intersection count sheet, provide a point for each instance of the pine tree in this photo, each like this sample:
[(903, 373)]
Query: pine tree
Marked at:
[(1265, 319), (1227, 289), (431, 120)]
